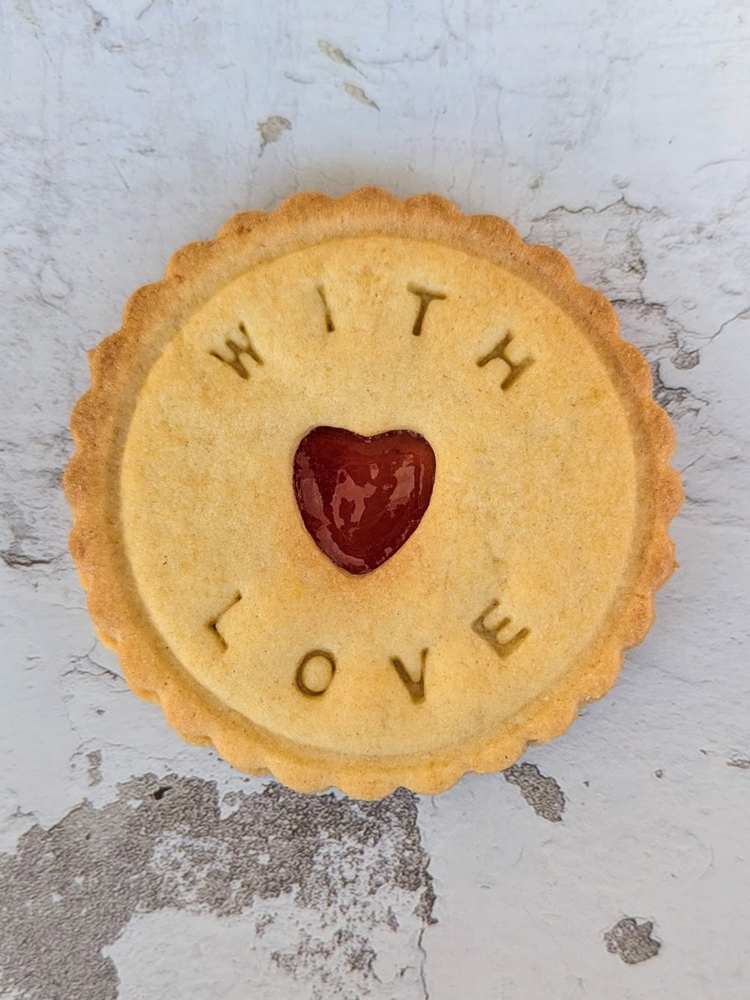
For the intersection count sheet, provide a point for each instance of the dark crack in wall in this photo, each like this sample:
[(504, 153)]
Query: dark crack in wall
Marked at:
[(69, 892)]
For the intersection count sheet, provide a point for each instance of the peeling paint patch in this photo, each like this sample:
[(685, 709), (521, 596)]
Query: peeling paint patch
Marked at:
[(272, 129), (335, 53), (632, 941), (543, 794), (26, 548), (743, 763), (69, 892), (34, 517), (359, 95), (95, 767), (14, 559), (684, 360), (311, 956), (676, 400)]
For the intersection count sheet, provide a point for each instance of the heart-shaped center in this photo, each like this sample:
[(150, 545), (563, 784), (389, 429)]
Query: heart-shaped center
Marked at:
[(360, 497)]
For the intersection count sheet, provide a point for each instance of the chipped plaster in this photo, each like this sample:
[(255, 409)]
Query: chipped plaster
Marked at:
[(69, 892), (272, 129), (632, 941), (543, 794)]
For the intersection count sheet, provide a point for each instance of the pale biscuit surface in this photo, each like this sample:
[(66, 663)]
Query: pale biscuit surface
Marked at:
[(533, 506)]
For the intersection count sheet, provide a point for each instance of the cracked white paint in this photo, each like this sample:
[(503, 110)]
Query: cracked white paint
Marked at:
[(617, 132)]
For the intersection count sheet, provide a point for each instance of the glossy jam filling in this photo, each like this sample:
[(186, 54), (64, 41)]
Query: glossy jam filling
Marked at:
[(361, 498)]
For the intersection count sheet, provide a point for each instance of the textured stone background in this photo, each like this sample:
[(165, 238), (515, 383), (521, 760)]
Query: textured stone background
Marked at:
[(611, 863)]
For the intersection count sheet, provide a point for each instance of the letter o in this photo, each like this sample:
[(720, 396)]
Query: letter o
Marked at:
[(316, 691)]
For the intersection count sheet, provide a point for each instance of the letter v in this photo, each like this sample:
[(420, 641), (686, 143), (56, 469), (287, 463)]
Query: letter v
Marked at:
[(415, 688)]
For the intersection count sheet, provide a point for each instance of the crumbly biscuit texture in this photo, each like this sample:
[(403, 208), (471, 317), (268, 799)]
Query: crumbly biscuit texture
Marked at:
[(531, 571)]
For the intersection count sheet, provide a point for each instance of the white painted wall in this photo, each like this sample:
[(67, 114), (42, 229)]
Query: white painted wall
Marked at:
[(615, 131)]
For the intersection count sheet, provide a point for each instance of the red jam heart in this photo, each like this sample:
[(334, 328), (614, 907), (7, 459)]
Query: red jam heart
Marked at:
[(360, 497)]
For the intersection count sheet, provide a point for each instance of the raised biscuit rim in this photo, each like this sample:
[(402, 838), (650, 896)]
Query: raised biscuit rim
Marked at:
[(100, 420)]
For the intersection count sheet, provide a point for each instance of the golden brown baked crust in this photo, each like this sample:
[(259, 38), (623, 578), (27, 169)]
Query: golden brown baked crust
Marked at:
[(101, 423)]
